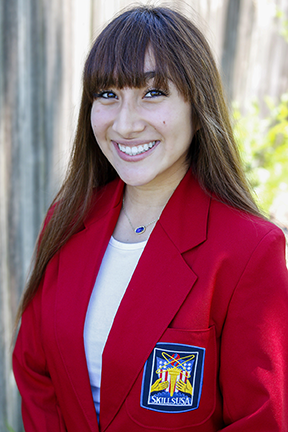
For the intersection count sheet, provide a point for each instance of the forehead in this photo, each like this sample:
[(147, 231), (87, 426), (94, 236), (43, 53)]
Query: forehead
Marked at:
[(140, 78), (149, 70), (149, 61)]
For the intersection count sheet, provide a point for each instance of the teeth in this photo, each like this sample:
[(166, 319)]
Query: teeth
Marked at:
[(136, 149)]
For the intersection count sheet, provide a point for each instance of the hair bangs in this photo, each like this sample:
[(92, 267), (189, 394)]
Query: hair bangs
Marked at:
[(117, 58)]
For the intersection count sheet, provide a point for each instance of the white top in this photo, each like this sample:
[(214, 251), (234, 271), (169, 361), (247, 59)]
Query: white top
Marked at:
[(116, 270)]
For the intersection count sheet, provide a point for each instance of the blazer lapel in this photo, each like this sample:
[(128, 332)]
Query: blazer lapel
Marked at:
[(159, 286), (79, 262)]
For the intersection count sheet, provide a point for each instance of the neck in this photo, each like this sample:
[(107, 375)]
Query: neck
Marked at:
[(145, 199), (152, 195), (143, 206)]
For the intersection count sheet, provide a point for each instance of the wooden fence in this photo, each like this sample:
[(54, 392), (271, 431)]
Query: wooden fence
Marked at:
[(43, 44)]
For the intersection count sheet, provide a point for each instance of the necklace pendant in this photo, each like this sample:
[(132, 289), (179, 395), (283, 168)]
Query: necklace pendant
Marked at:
[(140, 230)]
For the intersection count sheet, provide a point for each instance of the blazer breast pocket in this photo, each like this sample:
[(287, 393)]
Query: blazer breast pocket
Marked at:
[(177, 388)]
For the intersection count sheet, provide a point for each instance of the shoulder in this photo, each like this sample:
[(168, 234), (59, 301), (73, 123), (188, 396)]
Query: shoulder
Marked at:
[(242, 233), (228, 219)]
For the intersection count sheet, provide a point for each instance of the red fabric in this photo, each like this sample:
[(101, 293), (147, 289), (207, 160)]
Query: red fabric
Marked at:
[(209, 276)]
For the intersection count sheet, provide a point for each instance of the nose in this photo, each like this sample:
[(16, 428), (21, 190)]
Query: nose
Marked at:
[(128, 121)]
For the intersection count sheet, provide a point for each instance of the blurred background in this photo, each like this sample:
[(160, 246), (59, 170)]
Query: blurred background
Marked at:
[(43, 45)]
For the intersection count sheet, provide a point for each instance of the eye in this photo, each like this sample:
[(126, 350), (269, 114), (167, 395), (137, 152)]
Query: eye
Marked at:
[(106, 94), (154, 93)]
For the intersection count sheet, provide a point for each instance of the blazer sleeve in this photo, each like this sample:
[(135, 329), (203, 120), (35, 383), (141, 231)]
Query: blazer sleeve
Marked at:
[(40, 408), (254, 345)]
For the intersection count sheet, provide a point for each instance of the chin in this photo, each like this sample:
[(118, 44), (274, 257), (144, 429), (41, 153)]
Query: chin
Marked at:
[(135, 181), (136, 178)]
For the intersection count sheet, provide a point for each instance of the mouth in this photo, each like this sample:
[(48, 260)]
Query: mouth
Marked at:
[(136, 150)]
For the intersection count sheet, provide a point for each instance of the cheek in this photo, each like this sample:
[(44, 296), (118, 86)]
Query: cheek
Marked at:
[(98, 126), (93, 119), (99, 121), (184, 123)]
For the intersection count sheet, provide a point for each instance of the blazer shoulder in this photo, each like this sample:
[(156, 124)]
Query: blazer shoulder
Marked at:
[(240, 227)]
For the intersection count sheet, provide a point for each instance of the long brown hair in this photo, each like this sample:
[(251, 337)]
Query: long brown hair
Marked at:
[(117, 59)]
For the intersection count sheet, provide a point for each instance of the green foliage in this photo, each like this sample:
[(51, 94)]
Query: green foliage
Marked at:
[(283, 21), (9, 428), (263, 144)]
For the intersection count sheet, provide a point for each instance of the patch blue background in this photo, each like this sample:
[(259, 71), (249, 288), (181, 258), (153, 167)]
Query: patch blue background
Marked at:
[(149, 373)]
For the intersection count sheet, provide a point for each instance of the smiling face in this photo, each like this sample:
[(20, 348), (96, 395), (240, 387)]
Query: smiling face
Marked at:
[(145, 133)]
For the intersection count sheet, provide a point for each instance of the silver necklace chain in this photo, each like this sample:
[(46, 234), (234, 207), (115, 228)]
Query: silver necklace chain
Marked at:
[(141, 228)]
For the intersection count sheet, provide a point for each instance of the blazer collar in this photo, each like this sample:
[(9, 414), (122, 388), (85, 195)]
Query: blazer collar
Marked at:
[(185, 217), (104, 200)]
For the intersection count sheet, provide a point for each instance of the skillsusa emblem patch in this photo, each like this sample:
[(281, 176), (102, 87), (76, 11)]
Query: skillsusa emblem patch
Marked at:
[(172, 378)]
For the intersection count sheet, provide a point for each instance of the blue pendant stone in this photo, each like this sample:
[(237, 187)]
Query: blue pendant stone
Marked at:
[(140, 230)]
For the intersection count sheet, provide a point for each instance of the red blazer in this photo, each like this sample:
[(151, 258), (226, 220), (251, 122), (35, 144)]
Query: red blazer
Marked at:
[(211, 287)]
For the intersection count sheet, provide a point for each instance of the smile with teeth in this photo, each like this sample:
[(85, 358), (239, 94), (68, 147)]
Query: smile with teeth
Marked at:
[(136, 150)]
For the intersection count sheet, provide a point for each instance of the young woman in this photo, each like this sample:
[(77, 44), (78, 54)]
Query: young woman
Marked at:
[(159, 295)]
